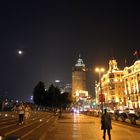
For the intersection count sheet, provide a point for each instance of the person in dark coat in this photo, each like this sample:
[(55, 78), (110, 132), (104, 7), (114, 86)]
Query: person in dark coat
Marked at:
[(21, 111), (106, 124)]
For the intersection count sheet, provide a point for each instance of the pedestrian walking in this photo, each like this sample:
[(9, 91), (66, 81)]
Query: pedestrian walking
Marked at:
[(14, 109), (27, 112), (21, 113), (106, 124)]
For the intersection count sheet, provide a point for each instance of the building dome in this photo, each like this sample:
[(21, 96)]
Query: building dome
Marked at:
[(80, 62)]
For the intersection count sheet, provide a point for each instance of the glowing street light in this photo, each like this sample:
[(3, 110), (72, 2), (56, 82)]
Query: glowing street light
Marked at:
[(100, 70)]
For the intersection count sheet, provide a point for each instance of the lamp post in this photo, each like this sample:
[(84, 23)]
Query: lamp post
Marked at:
[(100, 70)]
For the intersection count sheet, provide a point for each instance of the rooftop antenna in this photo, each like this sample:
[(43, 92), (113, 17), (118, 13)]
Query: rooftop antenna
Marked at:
[(79, 55)]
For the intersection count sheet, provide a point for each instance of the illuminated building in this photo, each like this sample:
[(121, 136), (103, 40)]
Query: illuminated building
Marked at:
[(60, 85), (67, 88), (81, 94), (112, 87), (79, 79), (63, 86), (132, 85)]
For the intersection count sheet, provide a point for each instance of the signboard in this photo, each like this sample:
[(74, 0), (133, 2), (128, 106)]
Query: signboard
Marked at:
[(101, 98)]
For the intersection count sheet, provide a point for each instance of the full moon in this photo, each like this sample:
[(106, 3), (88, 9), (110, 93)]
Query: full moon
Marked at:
[(20, 52)]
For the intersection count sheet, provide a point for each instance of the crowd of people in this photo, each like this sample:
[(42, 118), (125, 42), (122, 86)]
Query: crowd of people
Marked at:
[(24, 111)]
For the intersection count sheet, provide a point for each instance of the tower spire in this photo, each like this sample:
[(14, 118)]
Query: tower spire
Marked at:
[(80, 62), (79, 55)]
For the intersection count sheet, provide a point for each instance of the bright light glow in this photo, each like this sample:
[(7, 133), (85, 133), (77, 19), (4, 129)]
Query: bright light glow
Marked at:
[(20, 52), (117, 99), (77, 111), (74, 110), (40, 120), (6, 103), (77, 93), (121, 111), (31, 98), (105, 94), (81, 92), (94, 103), (99, 69), (132, 111), (102, 69), (57, 81), (6, 115), (111, 111)]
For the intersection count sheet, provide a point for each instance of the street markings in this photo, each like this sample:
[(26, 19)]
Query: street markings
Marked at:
[(33, 123)]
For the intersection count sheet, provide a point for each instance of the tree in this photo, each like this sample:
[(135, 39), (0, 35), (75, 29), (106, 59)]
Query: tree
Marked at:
[(53, 96), (65, 99), (39, 94)]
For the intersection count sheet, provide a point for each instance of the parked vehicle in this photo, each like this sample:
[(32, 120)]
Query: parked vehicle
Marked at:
[(128, 113)]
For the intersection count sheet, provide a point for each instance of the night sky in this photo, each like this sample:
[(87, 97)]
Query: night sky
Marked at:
[(52, 34)]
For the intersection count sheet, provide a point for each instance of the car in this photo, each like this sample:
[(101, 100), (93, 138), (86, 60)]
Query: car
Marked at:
[(129, 111)]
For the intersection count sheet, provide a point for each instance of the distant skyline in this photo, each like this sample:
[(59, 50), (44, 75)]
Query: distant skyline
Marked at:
[(52, 34)]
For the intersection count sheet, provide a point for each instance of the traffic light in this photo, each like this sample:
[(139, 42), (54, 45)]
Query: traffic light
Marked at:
[(94, 104)]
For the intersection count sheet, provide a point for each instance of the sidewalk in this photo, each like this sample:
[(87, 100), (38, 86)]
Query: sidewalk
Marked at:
[(75, 127)]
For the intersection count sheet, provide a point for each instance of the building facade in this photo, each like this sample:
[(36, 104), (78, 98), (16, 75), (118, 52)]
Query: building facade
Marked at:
[(120, 88), (132, 85), (113, 95)]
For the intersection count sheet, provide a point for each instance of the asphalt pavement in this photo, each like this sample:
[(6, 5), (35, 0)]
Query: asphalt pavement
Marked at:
[(82, 127), (71, 126), (31, 129)]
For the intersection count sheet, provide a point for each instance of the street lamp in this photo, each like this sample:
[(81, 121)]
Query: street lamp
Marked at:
[(100, 70)]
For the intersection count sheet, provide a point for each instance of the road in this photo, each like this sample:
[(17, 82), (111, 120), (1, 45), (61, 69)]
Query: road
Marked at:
[(33, 128), (81, 127), (47, 126)]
